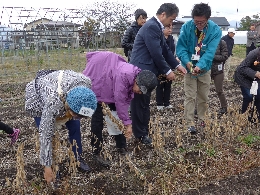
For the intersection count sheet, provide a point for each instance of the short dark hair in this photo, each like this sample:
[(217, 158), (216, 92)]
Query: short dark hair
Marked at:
[(140, 12), (201, 9), (169, 9)]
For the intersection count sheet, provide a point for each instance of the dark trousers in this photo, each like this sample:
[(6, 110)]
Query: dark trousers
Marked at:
[(163, 92), (129, 55), (248, 98), (140, 114), (74, 133), (97, 125), (248, 49), (6, 128), (218, 82)]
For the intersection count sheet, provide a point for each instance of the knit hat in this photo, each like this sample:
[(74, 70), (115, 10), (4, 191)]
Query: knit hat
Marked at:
[(82, 100), (146, 81), (139, 12)]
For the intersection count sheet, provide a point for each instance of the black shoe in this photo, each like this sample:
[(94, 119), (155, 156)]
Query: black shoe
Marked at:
[(83, 166), (146, 140), (104, 162), (192, 130), (58, 176), (222, 111), (122, 151)]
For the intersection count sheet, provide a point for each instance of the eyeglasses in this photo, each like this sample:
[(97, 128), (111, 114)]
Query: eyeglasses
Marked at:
[(200, 22)]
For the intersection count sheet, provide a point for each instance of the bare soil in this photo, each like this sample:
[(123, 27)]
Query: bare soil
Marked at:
[(220, 162)]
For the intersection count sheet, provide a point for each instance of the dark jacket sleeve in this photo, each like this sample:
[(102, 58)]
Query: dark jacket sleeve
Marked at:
[(230, 44), (244, 74), (223, 55), (245, 67), (171, 44), (157, 47), (127, 41), (168, 52)]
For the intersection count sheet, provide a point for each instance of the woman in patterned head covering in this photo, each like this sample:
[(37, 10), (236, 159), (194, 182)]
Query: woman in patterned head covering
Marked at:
[(56, 98)]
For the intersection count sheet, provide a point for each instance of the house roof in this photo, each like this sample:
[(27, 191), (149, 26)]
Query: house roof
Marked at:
[(58, 24), (221, 21), (35, 21), (177, 26), (51, 23)]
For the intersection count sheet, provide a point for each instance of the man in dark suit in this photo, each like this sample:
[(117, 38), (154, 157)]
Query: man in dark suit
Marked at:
[(150, 52)]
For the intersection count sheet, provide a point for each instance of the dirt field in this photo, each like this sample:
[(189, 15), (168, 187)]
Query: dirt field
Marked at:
[(222, 159)]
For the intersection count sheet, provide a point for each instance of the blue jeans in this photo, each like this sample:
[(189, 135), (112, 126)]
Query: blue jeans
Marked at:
[(248, 98), (74, 134)]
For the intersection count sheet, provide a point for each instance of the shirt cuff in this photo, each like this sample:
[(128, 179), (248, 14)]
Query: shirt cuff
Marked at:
[(177, 66), (168, 72)]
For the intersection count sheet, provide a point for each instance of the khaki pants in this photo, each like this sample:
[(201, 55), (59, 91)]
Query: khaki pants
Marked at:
[(196, 89), (227, 67)]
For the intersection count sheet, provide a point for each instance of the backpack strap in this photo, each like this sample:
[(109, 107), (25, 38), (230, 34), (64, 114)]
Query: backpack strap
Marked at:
[(60, 92), (59, 89)]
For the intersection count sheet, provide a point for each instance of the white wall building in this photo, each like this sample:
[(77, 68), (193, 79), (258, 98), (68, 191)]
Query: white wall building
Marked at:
[(239, 38)]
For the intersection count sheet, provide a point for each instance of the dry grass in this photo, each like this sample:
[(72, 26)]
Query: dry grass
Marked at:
[(177, 162), (23, 67)]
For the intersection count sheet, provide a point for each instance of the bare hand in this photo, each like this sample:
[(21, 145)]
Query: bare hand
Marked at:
[(257, 74), (128, 132), (48, 174), (182, 70), (188, 65), (170, 76), (196, 71)]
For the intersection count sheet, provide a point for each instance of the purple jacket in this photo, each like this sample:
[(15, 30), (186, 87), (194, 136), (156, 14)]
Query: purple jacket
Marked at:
[(112, 80)]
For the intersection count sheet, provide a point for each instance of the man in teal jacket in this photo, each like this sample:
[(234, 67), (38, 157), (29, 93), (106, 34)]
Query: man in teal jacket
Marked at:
[(196, 48)]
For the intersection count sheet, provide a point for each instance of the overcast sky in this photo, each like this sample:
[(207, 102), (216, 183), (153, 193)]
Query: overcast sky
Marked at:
[(226, 8)]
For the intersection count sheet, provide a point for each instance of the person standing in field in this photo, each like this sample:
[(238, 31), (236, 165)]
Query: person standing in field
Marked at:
[(195, 49), (217, 74), (150, 52), (131, 32), (230, 44), (163, 90), (252, 38)]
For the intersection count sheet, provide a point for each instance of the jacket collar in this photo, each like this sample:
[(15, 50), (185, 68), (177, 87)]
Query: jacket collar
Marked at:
[(159, 22)]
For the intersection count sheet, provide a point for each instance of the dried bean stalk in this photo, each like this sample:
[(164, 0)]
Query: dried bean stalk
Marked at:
[(107, 111)]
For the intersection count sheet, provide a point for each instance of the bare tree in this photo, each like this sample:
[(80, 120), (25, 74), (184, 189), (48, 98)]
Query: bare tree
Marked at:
[(88, 32), (112, 16)]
